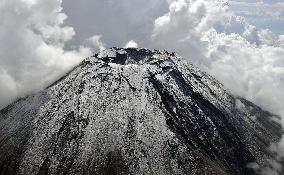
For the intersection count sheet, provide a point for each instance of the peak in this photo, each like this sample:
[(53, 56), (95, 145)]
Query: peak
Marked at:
[(127, 107), (126, 56)]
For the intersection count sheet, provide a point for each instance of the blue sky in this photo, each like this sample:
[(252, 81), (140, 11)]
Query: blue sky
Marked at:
[(263, 14)]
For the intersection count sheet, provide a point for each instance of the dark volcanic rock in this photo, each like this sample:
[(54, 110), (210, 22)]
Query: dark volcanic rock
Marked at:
[(134, 111)]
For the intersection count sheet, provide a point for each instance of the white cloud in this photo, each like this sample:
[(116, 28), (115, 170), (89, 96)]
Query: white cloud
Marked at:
[(32, 50), (248, 61), (131, 44), (248, 70), (97, 42)]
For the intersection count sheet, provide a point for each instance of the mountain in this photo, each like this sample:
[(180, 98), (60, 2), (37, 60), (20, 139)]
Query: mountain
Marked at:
[(134, 111)]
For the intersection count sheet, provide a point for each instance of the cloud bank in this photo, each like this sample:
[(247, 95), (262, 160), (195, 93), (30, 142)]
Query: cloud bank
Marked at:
[(248, 61), (32, 53)]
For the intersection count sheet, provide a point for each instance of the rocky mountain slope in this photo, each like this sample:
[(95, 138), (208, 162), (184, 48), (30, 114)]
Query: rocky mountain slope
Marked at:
[(134, 111)]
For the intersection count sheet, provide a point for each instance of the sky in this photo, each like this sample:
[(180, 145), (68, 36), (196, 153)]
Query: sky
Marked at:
[(240, 43), (265, 14)]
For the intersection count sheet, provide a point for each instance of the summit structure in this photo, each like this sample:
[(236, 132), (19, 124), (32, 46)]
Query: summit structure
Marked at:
[(134, 111)]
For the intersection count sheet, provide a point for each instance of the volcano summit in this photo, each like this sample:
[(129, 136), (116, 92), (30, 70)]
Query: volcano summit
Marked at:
[(134, 111)]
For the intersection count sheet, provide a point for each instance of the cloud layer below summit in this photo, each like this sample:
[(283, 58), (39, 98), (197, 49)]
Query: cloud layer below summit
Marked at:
[(32, 54)]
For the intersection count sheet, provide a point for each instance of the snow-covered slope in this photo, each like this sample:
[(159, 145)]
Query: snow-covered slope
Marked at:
[(134, 111)]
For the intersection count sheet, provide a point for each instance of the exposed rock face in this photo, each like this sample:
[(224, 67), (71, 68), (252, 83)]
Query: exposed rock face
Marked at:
[(134, 111)]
